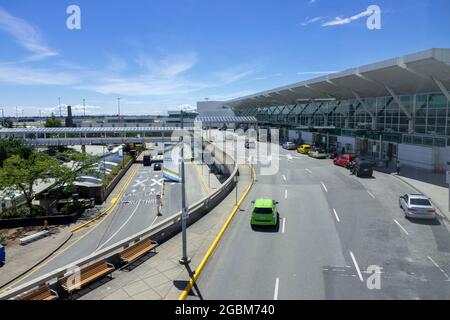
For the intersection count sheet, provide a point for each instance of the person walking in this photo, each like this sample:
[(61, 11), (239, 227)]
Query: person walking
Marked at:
[(398, 167)]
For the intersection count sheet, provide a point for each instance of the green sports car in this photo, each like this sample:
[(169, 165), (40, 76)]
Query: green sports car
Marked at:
[(264, 213)]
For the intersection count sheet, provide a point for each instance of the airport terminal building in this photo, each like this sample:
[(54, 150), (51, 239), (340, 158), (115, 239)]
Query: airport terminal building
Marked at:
[(393, 109)]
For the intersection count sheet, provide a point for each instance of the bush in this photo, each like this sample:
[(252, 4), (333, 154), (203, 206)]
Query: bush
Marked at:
[(71, 208), (114, 172), (22, 212), (2, 238)]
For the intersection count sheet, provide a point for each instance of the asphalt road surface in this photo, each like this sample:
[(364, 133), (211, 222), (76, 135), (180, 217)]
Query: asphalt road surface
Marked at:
[(136, 210), (333, 228)]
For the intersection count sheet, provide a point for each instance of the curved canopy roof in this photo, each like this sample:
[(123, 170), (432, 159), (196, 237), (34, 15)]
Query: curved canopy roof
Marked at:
[(425, 71)]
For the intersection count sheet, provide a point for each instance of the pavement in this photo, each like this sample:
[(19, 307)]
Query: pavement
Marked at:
[(339, 237), (429, 183), (161, 276), (135, 209)]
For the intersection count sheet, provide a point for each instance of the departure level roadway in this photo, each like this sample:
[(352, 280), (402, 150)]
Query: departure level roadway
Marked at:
[(134, 212), (333, 226)]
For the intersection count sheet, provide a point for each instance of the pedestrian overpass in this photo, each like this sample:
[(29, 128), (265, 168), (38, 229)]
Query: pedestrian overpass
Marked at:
[(92, 135)]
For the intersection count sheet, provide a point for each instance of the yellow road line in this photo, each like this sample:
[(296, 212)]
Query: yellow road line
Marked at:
[(111, 206), (128, 181), (202, 180), (211, 249)]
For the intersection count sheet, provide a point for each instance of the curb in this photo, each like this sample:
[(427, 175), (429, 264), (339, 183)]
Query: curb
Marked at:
[(213, 246), (440, 211)]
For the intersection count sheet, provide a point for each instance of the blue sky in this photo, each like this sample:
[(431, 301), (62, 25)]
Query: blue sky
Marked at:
[(160, 55)]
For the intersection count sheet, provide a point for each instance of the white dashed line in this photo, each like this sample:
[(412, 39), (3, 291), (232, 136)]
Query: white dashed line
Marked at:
[(284, 177), (284, 225), (337, 217), (285, 194), (370, 194), (401, 227), (309, 171), (357, 267), (323, 185), (437, 266), (275, 296)]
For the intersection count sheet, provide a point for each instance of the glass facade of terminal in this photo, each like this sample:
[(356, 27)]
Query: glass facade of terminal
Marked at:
[(430, 118)]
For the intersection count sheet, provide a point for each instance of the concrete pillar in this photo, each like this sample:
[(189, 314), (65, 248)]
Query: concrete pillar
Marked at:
[(347, 123), (83, 148), (374, 123)]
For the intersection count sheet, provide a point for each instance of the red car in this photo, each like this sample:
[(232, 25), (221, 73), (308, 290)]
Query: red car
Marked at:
[(344, 160)]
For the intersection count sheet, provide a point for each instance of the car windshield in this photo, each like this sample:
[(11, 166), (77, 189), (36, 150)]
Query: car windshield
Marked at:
[(263, 210), (420, 202)]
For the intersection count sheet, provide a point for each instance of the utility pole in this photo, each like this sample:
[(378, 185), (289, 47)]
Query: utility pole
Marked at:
[(59, 106), (184, 210), (118, 109)]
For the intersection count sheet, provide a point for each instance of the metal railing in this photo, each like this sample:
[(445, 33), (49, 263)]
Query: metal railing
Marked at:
[(161, 231)]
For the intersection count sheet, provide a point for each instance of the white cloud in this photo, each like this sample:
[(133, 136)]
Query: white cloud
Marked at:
[(341, 21), (228, 76), (315, 72), (25, 35), (312, 20), (13, 74), (170, 66)]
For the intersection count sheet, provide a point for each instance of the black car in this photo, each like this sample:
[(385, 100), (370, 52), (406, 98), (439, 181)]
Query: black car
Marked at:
[(363, 168), (157, 167), (147, 161)]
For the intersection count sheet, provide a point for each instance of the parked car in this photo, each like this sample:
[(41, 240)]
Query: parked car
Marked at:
[(157, 167), (289, 146), (304, 149), (264, 213), (363, 168), (344, 160), (417, 206)]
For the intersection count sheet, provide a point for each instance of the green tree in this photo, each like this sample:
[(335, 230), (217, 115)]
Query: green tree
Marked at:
[(10, 147), (52, 122), (22, 175), (7, 123), (77, 164)]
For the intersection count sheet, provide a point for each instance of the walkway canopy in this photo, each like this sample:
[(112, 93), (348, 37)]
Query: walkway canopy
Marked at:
[(426, 71), (225, 119)]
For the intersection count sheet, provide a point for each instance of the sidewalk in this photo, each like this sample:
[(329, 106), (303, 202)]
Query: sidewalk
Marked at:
[(429, 183), (20, 259), (160, 276)]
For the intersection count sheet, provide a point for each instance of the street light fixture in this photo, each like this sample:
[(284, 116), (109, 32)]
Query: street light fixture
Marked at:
[(184, 210)]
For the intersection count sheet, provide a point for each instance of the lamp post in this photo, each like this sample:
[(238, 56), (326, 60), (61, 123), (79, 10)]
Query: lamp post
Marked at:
[(184, 210)]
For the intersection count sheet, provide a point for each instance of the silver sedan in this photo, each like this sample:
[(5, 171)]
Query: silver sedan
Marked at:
[(417, 206)]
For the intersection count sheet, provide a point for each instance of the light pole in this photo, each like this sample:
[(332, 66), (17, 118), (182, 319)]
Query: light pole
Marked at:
[(59, 106), (118, 109), (84, 107), (184, 210)]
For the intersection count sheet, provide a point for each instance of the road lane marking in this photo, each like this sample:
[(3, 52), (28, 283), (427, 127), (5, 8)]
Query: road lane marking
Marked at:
[(202, 180), (401, 227), (277, 282), (337, 217), (307, 170), (370, 194), (98, 219), (289, 157), (216, 241), (437, 266), (284, 225), (324, 186), (357, 267), (285, 194), (121, 227), (284, 177)]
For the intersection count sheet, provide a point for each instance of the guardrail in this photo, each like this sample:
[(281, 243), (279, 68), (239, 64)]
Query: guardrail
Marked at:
[(159, 232)]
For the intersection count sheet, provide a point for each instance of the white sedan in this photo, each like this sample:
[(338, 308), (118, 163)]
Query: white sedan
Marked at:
[(417, 206)]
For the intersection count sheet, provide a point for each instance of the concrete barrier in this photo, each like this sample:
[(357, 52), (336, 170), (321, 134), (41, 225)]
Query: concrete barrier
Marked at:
[(160, 232)]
